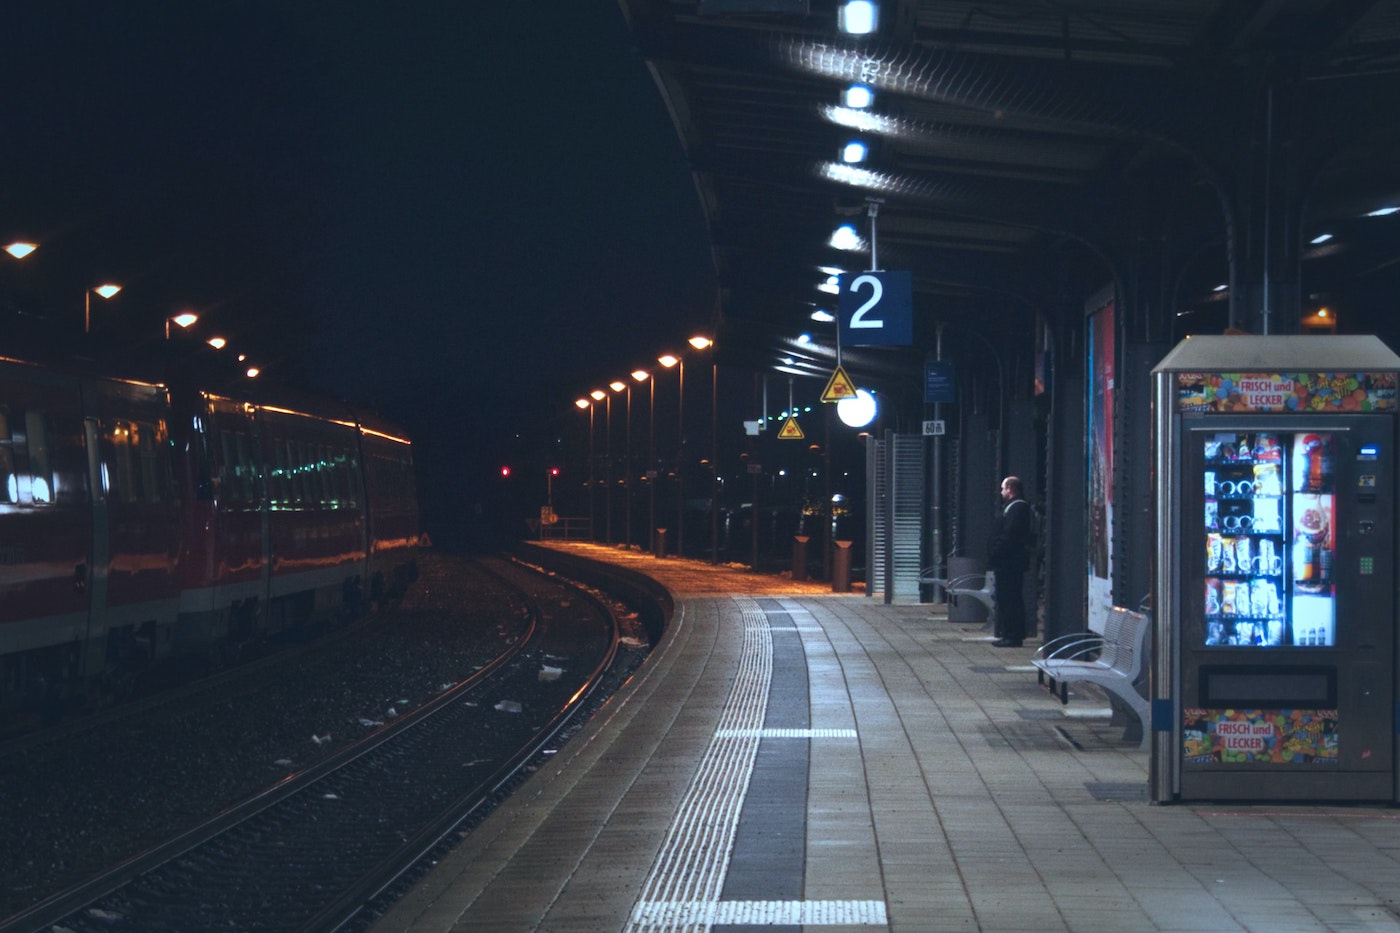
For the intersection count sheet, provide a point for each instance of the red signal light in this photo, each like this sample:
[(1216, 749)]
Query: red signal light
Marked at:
[(505, 471)]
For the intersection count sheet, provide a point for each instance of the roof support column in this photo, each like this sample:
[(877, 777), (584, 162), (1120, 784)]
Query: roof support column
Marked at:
[(1266, 203)]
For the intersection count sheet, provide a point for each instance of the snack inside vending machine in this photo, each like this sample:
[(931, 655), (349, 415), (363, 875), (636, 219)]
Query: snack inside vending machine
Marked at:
[(1274, 593)]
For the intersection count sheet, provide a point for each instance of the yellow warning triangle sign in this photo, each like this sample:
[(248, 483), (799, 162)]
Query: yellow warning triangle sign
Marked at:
[(840, 387), (790, 431)]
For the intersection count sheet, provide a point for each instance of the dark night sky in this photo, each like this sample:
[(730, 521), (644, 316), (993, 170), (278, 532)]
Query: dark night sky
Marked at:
[(484, 205)]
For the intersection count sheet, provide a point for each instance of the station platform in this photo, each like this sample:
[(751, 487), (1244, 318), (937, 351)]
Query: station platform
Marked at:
[(790, 758)]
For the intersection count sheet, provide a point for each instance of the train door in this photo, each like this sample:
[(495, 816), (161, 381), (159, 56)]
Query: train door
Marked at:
[(93, 574)]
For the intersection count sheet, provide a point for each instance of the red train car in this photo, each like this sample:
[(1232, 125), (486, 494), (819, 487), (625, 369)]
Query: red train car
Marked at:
[(140, 521)]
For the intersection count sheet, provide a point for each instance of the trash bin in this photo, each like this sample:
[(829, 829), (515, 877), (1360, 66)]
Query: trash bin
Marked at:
[(799, 557), (841, 567), (661, 542), (966, 608)]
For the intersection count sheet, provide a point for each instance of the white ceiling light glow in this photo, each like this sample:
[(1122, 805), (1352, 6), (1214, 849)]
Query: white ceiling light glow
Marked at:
[(845, 237), (858, 97), (858, 411), (858, 17)]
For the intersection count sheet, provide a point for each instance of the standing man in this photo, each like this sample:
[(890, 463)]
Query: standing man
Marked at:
[(1008, 552)]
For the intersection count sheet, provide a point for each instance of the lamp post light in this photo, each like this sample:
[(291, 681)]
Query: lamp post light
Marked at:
[(106, 290), (185, 319), (21, 249), (617, 385)]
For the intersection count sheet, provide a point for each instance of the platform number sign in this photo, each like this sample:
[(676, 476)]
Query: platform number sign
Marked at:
[(876, 309)]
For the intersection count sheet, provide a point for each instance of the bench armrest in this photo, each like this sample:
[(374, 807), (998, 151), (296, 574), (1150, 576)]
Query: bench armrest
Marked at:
[(1070, 647)]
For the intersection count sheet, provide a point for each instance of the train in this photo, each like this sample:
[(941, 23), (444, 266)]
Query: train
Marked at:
[(148, 522)]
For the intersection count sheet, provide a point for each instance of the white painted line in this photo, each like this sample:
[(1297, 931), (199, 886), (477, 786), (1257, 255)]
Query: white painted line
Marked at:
[(674, 914), (693, 862), (1080, 712), (787, 734), (1020, 668)]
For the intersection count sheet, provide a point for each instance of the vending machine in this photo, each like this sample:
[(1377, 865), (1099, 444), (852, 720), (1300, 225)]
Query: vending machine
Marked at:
[(1274, 592)]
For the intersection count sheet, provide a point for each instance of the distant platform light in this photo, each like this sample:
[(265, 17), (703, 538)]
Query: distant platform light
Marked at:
[(845, 237), (804, 338), (854, 152), (858, 411), (1320, 239), (1382, 212), (832, 284), (1220, 288), (858, 17), (20, 250), (858, 97), (823, 316)]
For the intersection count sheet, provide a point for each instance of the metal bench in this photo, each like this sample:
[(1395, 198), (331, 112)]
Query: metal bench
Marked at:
[(1113, 661), (979, 586)]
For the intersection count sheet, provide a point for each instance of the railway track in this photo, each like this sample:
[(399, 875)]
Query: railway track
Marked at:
[(310, 851)]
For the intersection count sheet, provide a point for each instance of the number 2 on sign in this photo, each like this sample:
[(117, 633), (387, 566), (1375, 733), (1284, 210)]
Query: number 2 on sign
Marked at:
[(877, 291)]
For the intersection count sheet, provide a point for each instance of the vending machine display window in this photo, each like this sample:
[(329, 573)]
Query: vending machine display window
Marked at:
[(1270, 506)]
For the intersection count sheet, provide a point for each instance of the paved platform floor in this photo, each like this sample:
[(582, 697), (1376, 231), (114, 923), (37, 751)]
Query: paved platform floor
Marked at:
[(793, 759)]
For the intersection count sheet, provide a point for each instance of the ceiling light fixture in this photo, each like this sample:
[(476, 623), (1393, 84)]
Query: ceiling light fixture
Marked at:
[(845, 237), (858, 17), (1320, 238), (854, 152), (858, 97)]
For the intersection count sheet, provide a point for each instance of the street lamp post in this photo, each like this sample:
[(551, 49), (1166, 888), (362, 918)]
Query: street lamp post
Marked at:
[(597, 395), (582, 404), (670, 360), (627, 466), (102, 291), (608, 470), (642, 375), (638, 375), (714, 465)]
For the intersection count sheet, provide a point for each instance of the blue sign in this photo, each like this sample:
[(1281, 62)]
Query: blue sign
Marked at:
[(876, 309), (938, 381)]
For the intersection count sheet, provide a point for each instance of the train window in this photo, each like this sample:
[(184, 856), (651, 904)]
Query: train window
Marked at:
[(229, 492), (236, 470), (247, 470), (330, 472), (300, 465), (279, 482), (40, 459), (153, 484), (9, 482), (125, 479), (325, 495)]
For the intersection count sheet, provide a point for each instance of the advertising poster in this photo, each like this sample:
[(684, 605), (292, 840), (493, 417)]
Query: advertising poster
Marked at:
[(1260, 736), (1285, 392), (1099, 457)]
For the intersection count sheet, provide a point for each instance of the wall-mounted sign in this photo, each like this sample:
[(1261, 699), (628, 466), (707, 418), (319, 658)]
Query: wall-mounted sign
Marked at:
[(876, 309), (938, 381)]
